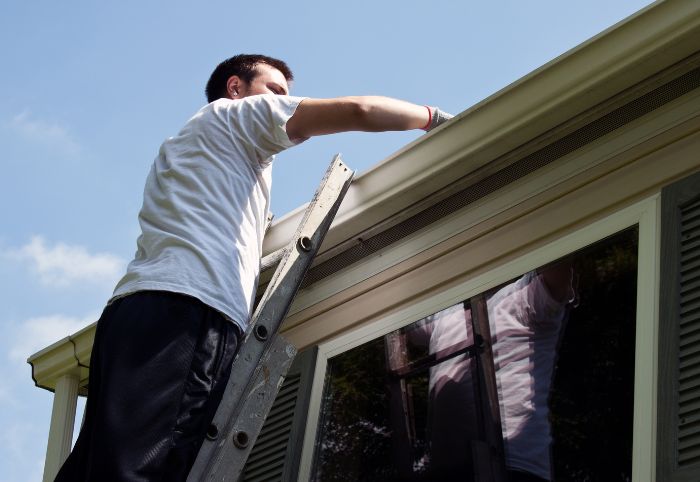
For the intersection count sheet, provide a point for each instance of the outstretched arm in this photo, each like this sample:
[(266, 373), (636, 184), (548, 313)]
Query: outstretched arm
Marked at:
[(316, 117)]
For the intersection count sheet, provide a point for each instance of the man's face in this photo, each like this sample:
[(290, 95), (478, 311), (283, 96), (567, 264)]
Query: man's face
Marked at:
[(268, 80)]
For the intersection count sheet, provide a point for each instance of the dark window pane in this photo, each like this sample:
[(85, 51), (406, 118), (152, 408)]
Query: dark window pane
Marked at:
[(412, 405), (592, 395)]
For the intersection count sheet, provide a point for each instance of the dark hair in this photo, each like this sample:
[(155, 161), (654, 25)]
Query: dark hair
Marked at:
[(242, 65)]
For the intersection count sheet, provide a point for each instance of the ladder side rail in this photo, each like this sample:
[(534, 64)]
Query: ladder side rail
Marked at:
[(265, 323), (249, 416)]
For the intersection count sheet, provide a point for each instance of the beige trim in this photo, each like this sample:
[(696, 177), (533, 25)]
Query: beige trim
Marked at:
[(62, 422), (647, 345)]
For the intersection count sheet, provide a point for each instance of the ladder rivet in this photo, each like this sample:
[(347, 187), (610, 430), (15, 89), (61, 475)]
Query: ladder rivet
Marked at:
[(304, 243), (240, 439), (261, 332), (212, 432)]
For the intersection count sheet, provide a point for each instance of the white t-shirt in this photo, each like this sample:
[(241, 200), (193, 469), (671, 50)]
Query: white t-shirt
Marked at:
[(525, 324), (205, 205)]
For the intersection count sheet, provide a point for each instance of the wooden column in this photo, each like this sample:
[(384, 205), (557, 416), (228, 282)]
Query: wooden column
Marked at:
[(62, 421)]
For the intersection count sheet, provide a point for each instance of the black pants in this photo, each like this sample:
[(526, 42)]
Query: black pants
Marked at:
[(159, 365), (517, 476)]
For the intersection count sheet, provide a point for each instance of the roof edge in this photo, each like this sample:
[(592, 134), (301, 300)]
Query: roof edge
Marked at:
[(570, 84)]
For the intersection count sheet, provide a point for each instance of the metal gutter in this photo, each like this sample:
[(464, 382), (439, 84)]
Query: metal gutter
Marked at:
[(641, 45), (68, 355)]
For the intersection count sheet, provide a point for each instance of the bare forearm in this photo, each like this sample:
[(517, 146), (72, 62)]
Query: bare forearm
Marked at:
[(387, 114), (315, 117)]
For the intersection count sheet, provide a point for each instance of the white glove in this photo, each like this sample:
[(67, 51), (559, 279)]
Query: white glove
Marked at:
[(437, 117)]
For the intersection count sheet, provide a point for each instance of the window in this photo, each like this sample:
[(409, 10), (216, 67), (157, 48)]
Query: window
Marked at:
[(544, 361)]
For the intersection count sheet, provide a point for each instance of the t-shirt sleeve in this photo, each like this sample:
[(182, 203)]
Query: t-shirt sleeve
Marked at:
[(261, 121)]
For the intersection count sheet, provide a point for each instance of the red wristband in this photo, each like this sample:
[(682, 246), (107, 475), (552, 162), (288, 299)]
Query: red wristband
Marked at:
[(430, 118)]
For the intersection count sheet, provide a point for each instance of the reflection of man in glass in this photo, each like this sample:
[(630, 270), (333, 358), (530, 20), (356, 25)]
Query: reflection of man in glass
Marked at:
[(452, 414), (526, 318)]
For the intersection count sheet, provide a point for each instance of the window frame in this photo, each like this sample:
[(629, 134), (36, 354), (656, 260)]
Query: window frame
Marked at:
[(645, 214)]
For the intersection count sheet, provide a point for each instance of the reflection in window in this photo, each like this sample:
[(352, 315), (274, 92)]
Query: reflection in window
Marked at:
[(545, 362)]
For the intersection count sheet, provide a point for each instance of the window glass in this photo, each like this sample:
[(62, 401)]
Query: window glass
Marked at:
[(533, 378)]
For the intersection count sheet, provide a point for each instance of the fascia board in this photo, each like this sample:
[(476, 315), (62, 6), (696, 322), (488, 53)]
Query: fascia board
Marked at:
[(636, 48)]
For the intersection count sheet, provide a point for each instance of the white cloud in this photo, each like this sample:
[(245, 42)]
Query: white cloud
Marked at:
[(46, 133), (37, 333), (63, 264)]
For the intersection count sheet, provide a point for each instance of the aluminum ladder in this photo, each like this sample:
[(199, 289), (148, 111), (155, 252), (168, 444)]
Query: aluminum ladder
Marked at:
[(265, 357)]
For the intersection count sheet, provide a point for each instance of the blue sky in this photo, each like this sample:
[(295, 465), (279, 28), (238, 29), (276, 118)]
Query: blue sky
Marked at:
[(91, 89)]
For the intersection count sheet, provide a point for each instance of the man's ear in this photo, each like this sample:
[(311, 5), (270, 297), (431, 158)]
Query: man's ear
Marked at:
[(233, 86)]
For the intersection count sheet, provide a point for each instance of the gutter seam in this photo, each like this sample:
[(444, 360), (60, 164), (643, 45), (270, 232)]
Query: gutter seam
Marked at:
[(75, 356)]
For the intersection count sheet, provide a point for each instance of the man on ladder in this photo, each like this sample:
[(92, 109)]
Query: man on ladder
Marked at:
[(165, 342)]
